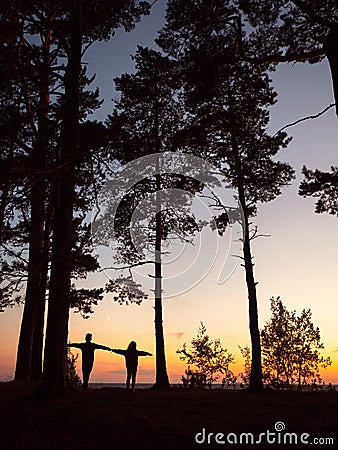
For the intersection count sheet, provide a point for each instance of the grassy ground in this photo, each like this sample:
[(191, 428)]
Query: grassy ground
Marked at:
[(146, 419)]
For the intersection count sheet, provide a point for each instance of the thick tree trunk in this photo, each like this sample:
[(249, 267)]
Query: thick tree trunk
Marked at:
[(53, 379), (37, 349), (36, 236), (256, 378), (162, 379), (54, 367), (24, 353)]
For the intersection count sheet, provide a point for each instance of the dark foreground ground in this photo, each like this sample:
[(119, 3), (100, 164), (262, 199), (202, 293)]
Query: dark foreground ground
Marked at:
[(146, 419)]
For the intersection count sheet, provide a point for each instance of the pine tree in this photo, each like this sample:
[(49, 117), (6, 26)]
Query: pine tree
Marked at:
[(81, 24), (30, 142), (146, 120), (227, 102), (64, 34)]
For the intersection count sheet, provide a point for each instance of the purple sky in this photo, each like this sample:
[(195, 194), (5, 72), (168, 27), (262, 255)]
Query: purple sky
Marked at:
[(298, 262)]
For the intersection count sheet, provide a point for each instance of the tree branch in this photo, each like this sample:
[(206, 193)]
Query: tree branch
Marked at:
[(130, 266), (315, 116), (9, 251), (275, 58), (255, 234), (86, 47)]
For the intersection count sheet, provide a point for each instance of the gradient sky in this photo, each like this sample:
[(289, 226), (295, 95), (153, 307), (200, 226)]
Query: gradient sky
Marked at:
[(298, 262)]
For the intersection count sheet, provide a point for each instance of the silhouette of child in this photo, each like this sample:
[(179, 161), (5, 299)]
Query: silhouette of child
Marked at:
[(87, 348), (131, 355)]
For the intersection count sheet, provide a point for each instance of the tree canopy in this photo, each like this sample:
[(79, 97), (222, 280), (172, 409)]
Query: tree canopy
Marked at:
[(291, 348), (321, 185), (227, 101), (207, 360)]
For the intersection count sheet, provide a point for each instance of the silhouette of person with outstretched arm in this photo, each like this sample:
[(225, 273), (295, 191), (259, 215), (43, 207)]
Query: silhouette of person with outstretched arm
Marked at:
[(88, 348), (131, 355)]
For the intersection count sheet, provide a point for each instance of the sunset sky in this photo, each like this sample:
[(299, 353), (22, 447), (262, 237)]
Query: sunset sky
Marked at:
[(298, 262)]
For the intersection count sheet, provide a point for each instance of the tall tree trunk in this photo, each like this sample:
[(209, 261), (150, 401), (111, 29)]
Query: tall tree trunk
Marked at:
[(256, 382), (54, 367), (37, 349), (330, 48), (24, 353), (256, 378), (36, 234), (162, 379)]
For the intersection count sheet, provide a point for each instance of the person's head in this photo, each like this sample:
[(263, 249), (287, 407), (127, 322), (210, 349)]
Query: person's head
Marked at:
[(88, 337), (132, 345)]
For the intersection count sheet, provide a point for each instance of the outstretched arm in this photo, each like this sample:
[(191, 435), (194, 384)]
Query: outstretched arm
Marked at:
[(118, 351), (102, 347), (75, 345), (141, 353)]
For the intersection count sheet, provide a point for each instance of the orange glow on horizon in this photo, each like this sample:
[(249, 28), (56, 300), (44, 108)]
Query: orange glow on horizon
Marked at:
[(110, 368)]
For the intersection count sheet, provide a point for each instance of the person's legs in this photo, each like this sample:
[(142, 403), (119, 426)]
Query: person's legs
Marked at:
[(128, 379), (86, 369), (133, 379), (85, 374)]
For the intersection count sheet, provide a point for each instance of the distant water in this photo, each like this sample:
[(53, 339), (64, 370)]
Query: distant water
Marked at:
[(149, 385), (138, 385), (119, 385), (122, 385)]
